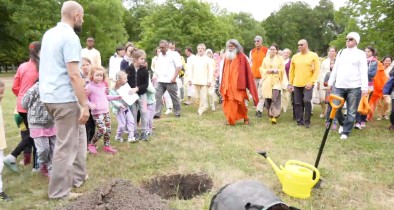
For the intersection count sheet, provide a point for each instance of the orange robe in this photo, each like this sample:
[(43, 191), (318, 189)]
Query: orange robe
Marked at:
[(257, 56), (237, 76), (379, 81)]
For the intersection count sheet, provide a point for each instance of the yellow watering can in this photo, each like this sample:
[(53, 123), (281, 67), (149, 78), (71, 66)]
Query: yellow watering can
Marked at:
[(297, 178)]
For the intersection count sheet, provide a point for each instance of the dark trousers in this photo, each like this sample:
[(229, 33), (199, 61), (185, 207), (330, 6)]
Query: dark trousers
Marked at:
[(90, 128), (352, 98), (293, 104), (302, 105), (26, 143), (172, 89)]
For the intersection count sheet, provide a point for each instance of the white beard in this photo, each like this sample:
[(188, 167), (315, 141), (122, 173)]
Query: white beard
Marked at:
[(230, 55)]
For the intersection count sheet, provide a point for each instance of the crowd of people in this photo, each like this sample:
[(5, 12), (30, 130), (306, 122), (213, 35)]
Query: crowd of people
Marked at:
[(65, 96)]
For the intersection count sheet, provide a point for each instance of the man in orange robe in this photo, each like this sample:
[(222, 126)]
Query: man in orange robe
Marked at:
[(236, 77)]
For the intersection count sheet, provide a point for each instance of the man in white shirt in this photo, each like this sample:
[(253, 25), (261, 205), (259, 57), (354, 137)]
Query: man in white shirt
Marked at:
[(114, 62), (167, 69), (91, 53), (350, 77), (200, 75)]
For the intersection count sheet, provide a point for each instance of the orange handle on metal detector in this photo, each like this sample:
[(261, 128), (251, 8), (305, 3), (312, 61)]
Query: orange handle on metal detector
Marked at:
[(334, 106)]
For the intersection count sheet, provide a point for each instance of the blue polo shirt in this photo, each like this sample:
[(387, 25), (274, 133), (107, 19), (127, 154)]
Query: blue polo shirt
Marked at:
[(60, 45)]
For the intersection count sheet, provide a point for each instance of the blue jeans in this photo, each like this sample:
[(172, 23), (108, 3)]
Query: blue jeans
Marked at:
[(352, 97)]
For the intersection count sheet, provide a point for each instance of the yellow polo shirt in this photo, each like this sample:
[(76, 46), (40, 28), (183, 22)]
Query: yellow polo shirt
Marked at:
[(304, 69)]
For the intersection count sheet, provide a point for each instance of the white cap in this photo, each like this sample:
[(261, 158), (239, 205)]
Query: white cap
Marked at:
[(355, 36)]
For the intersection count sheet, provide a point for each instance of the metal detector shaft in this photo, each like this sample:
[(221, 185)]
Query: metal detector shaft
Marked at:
[(332, 116)]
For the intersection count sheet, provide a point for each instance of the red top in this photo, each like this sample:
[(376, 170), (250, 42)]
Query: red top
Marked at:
[(25, 77)]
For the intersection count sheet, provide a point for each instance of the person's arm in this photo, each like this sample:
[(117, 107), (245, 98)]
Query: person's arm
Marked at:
[(28, 98), (291, 74), (388, 87), (372, 68), (363, 65), (144, 86), (191, 73), (78, 85), (98, 58), (333, 74), (210, 72), (316, 71), (16, 85), (264, 69)]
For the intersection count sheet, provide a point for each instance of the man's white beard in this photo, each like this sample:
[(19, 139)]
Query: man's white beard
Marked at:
[(231, 54)]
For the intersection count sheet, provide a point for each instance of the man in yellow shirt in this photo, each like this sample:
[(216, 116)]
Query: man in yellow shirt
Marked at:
[(304, 70)]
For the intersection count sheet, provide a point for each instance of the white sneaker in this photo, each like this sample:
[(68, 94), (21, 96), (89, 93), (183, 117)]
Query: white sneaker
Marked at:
[(120, 139), (213, 109), (131, 139), (340, 130), (343, 137), (169, 111)]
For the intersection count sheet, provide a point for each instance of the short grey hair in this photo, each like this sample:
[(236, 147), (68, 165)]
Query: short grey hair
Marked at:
[(258, 38), (236, 43), (163, 41)]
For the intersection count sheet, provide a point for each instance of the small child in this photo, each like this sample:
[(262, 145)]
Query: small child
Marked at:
[(99, 105), (42, 128), (90, 125), (151, 99), (3, 144), (122, 111), (138, 79)]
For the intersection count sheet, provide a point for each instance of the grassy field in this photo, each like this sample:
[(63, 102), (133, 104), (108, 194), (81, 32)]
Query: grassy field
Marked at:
[(357, 173)]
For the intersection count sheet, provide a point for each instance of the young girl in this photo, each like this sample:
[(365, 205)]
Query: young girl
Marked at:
[(122, 111), (138, 79), (99, 106), (90, 126), (42, 128)]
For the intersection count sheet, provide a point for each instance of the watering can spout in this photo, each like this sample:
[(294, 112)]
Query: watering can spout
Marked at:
[(278, 171)]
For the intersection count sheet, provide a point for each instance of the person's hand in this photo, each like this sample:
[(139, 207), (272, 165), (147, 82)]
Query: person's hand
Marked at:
[(308, 86), (269, 71), (83, 118), (364, 92), (329, 89), (318, 86), (290, 87), (93, 106), (119, 97), (122, 107), (154, 79), (173, 80), (133, 90)]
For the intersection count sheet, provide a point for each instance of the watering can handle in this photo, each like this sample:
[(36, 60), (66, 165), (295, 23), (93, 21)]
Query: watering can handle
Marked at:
[(334, 106), (306, 165)]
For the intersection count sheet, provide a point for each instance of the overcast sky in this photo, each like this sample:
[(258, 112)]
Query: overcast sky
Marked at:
[(261, 9)]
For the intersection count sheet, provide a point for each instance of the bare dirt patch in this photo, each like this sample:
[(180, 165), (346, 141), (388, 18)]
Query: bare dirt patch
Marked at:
[(181, 186), (118, 194)]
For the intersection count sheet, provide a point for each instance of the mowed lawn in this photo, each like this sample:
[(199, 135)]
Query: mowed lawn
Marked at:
[(358, 173)]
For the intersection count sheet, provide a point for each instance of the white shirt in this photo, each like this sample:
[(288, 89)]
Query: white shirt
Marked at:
[(201, 72), (350, 70), (93, 55), (166, 66), (114, 66)]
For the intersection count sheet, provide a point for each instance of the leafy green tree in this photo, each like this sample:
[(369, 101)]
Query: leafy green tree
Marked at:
[(372, 19), (103, 20)]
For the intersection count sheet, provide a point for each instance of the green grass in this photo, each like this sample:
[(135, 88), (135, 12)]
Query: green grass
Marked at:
[(357, 173)]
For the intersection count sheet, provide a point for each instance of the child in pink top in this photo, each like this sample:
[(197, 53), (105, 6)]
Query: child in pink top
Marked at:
[(99, 106)]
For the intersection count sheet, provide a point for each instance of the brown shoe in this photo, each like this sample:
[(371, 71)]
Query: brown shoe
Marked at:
[(246, 121)]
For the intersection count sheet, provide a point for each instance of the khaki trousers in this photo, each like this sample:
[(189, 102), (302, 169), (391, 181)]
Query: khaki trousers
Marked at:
[(69, 156), (201, 94)]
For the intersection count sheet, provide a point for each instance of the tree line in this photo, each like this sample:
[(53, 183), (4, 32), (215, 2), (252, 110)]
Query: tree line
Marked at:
[(189, 22)]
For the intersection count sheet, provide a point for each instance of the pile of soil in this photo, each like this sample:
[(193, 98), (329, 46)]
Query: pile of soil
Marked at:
[(181, 186), (118, 194)]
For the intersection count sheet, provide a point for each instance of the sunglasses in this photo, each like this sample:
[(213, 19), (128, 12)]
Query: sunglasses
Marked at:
[(299, 45), (349, 39)]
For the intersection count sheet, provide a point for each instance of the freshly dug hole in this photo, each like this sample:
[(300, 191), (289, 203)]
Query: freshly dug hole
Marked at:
[(118, 194), (181, 186)]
